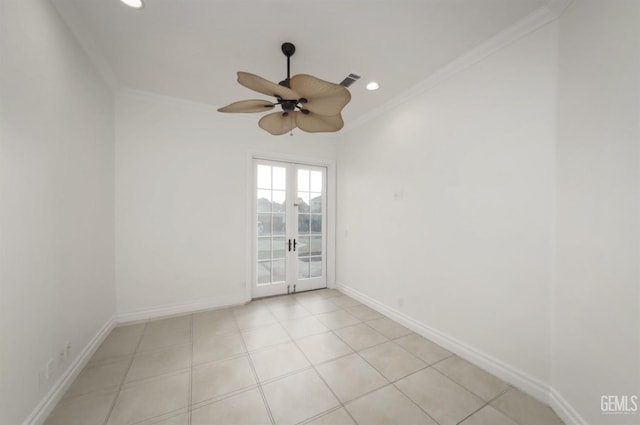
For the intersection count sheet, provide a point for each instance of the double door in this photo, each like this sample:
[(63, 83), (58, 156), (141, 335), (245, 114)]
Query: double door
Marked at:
[(289, 234)]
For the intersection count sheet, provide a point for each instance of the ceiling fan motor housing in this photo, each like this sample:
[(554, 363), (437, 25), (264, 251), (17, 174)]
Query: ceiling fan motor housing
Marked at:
[(288, 105)]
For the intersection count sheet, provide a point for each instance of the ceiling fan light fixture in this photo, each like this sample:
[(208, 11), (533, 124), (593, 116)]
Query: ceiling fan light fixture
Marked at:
[(136, 4), (373, 86)]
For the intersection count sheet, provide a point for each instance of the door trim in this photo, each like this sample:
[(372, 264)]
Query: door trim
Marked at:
[(331, 196)]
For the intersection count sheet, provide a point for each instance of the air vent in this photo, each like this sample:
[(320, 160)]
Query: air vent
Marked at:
[(351, 78)]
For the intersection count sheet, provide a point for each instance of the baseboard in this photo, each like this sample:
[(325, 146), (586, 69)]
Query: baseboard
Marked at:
[(563, 409), (504, 371), (48, 403), (181, 308)]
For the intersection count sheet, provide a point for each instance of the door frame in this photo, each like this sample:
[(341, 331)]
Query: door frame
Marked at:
[(331, 197)]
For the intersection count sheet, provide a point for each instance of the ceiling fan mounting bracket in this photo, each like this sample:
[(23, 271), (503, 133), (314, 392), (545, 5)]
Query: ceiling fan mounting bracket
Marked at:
[(288, 49)]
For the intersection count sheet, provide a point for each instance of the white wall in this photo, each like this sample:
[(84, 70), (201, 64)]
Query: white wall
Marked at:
[(467, 249), (181, 201), (56, 210), (597, 292)]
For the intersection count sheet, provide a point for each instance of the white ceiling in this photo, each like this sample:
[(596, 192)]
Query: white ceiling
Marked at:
[(191, 49)]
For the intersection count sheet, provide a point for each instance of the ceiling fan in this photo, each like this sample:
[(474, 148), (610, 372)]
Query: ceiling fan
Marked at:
[(308, 103)]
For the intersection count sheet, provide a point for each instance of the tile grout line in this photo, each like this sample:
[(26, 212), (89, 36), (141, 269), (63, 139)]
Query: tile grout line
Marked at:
[(393, 383), (314, 368), (271, 307), (497, 396), (427, 366), (488, 403), (159, 417), (451, 355), (322, 414), (365, 360), (253, 370), (220, 397), (343, 404), (485, 403), (133, 356)]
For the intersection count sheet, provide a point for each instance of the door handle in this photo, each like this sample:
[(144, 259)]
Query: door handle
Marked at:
[(294, 245), (289, 245)]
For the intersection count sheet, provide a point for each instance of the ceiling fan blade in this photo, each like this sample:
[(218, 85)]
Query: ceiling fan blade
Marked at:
[(253, 105), (263, 86), (323, 97), (276, 124), (315, 123)]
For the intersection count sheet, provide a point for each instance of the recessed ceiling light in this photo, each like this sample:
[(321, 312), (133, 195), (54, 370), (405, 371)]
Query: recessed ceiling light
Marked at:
[(373, 86), (136, 4)]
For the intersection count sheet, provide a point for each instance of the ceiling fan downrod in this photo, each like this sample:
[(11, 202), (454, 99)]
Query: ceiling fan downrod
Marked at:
[(289, 105), (288, 49)]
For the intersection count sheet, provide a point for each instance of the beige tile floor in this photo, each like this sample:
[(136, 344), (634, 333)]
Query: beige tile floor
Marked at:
[(312, 358)]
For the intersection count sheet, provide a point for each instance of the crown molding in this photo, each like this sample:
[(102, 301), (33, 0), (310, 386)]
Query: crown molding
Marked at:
[(527, 25), (71, 16)]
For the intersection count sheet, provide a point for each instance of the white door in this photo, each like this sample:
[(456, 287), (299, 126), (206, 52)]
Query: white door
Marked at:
[(289, 235)]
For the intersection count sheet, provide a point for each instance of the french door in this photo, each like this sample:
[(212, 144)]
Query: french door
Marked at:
[(289, 235)]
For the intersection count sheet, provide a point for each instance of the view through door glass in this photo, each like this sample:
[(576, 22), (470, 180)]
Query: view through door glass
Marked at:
[(309, 201), (289, 228), (271, 224)]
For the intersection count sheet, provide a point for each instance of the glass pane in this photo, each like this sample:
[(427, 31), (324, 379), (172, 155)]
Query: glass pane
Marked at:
[(278, 200), (279, 178), (303, 180), (315, 267), (263, 271), (264, 248), (278, 224), (303, 223), (316, 181), (264, 224), (316, 223), (264, 177), (278, 271), (315, 204), (315, 246), (303, 268), (303, 246), (279, 247), (264, 201), (303, 202)]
